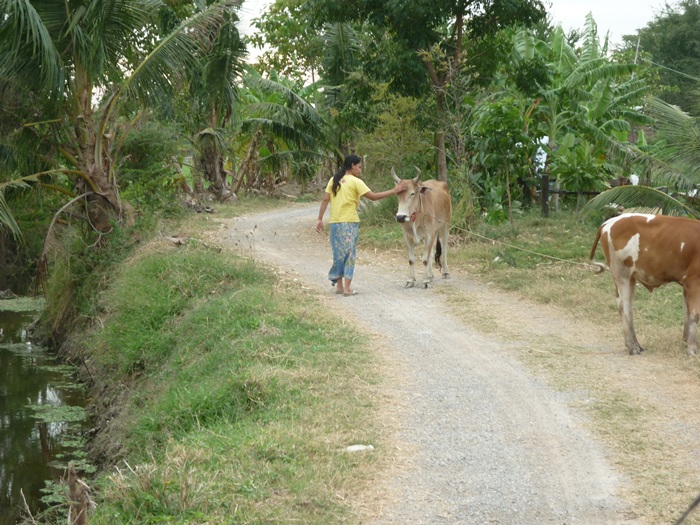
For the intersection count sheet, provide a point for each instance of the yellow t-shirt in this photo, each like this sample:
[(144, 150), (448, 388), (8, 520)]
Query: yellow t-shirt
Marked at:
[(345, 203)]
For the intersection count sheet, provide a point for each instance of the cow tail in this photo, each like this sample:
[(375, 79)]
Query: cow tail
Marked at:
[(438, 252), (599, 267)]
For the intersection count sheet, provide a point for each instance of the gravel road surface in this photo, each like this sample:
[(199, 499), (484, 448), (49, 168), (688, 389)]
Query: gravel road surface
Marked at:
[(479, 439)]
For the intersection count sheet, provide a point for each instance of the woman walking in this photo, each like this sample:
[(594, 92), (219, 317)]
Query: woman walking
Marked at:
[(343, 192)]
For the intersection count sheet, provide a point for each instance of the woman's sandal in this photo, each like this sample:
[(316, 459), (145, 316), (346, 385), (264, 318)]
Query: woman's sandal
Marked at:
[(351, 292)]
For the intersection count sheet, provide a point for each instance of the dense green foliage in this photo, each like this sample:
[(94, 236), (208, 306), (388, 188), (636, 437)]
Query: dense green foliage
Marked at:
[(55, 62), (149, 179)]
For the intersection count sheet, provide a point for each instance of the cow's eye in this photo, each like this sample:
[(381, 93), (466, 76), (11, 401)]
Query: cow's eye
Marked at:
[(413, 193)]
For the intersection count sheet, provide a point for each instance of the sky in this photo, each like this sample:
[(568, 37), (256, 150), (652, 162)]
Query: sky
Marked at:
[(249, 10), (618, 17)]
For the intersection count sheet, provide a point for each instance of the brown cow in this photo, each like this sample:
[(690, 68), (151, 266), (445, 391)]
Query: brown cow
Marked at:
[(653, 250), (425, 214)]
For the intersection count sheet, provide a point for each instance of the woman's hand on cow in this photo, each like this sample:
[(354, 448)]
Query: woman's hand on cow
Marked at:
[(400, 186)]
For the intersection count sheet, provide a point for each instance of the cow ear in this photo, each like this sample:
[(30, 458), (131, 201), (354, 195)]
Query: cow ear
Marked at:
[(424, 189)]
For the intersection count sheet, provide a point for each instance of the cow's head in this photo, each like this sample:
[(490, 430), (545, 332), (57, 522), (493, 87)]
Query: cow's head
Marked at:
[(409, 199)]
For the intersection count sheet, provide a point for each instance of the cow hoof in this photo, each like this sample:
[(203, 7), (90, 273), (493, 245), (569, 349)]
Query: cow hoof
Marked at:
[(691, 352), (409, 284), (425, 284), (445, 275), (636, 351)]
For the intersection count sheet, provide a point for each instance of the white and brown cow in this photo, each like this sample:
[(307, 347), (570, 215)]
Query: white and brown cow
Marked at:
[(425, 214), (652, 250)]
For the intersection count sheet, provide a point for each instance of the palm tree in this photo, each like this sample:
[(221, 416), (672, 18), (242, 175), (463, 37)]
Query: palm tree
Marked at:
[(212, 97), (63, 56), (281, 129), (670, 167), (341, 46)]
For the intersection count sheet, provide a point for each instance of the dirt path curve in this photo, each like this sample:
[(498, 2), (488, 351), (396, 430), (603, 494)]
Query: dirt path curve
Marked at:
[(479, 440)]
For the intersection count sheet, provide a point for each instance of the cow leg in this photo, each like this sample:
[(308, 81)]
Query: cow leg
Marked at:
[(691, 306), (411, 249), (444, 239), (686, 316), (428, 254), (625, 295)]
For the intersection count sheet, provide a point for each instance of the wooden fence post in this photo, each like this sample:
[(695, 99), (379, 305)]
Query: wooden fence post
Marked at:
[(544, 194)]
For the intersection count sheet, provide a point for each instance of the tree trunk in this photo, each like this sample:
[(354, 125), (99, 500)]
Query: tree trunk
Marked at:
[(210, 164), (248, 169), (94, 163), (441, 155), (103, 203)]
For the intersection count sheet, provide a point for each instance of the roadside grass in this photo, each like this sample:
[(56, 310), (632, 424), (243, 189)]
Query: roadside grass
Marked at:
[(378, 228), (238, 394), (543, 260), (546, 260)]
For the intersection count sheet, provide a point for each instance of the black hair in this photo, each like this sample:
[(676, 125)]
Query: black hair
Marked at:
[(348, 163)]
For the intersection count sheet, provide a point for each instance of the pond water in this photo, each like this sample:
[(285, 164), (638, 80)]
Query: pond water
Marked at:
[(41, 417)]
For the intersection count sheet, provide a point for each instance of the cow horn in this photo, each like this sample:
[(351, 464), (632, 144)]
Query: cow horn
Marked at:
[(394, 176), (419, 174)]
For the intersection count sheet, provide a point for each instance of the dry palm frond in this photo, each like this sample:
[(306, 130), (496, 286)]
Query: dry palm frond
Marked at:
[(54, 247)]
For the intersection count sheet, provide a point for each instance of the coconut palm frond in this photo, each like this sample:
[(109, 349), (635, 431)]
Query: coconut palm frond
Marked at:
[(110, 25), (170, 60), (7, 220), (642, 199), (676, 154), (225, 64), (284, 113), (216, 135), (54, 243), (173, 56), (29, 52), (341, 45), (18, 183)]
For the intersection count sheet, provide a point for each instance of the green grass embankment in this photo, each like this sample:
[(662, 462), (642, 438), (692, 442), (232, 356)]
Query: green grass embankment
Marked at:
[(232, 396)]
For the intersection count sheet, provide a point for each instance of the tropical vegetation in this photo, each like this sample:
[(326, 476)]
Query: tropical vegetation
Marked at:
[(118, 114)]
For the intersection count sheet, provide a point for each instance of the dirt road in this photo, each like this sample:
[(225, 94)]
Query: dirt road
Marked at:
[(478, 439)]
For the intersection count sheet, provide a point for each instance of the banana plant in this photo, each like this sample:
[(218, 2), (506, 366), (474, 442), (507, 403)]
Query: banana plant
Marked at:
[(587, 96)]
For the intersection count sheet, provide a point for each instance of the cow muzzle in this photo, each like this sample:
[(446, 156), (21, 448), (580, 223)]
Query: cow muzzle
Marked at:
[(401, 218)]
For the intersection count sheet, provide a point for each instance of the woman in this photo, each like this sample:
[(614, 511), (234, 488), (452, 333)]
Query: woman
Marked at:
[(343, 192)]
